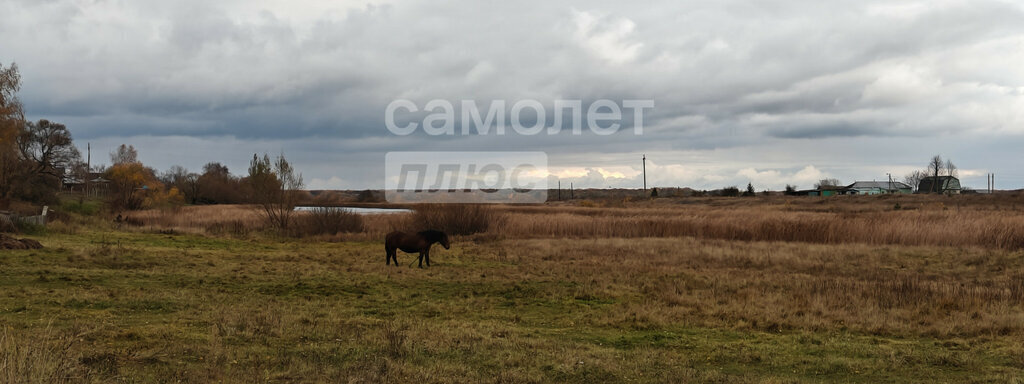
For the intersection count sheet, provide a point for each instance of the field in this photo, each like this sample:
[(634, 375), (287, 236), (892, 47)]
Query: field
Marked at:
[(760, 289)]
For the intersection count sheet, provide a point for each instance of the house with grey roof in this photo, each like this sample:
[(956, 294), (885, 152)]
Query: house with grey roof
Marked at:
[(879, 187)]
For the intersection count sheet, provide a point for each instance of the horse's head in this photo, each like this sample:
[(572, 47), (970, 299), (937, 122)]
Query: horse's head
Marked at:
[(444, 241), (434, 236)]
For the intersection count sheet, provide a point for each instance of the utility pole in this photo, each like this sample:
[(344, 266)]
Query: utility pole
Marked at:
[(890, 182), (559, 190), (570, 191), (645, 173), (88, 166)]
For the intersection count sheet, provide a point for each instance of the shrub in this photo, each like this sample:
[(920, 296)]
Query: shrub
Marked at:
[(84, 208), (29, 228), (456, 219), (327, 221), (368, 196)]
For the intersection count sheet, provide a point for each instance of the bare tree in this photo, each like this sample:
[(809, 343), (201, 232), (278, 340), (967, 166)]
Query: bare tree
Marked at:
[(275, 187), (215, 168), (914, 178), (186, 182), (823, 183), (936, 166), (124, 154)]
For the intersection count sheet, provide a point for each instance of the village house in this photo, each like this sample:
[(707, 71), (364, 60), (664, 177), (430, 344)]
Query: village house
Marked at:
[(879, 187), (941, 184)]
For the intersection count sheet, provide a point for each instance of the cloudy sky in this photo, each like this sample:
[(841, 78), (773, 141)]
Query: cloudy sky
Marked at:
[(770, 92)]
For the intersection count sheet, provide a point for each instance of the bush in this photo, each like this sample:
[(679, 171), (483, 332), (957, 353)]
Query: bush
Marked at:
[(327, 221), (85, 208), (368, 196), (30, 228), (730, 191), (456, 219)]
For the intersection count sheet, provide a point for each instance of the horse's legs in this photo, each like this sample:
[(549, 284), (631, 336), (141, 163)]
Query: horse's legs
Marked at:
[(421, 259), (390, 253), (426, 255)]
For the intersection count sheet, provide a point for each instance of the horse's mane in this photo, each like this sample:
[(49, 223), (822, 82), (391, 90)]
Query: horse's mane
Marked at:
[(432, 235)]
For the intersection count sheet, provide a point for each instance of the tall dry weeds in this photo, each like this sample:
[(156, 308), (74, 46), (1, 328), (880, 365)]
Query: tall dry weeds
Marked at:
[(46, 357), (326, 221), (457, 219)]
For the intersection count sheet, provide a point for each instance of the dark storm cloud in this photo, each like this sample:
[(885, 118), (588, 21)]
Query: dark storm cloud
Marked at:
[(724, 76)]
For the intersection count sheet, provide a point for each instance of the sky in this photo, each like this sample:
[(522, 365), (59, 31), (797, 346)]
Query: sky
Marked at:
[(765, 92)]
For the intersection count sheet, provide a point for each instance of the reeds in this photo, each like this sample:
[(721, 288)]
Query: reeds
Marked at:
[(997, 222)]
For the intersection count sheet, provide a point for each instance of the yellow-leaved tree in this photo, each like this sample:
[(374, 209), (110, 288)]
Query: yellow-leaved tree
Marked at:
[(135, 186)]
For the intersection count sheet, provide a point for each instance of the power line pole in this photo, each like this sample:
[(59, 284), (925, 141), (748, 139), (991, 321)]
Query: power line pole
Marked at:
[(645, 173), (88, 166)]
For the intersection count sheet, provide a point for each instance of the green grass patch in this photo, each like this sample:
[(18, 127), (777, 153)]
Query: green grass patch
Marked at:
[(150, 307)]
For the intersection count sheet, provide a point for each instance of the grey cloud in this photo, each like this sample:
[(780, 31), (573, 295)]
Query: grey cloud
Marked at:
[(724, 75)]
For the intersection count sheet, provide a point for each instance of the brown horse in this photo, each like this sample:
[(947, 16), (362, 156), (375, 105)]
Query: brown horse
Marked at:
[(411, 243)]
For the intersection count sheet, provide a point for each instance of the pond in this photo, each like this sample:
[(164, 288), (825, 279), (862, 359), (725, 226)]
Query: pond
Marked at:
[(361, 210)]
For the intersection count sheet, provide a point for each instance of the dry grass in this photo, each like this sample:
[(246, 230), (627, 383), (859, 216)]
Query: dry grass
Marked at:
[(958, 221), (211, 219), (511, 307), (788, 286), (921, 220), (45, 357)]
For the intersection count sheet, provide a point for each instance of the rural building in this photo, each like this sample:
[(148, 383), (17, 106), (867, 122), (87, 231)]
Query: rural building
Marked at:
[(879, 187), (940, 184), (827, 190), (98, 186)]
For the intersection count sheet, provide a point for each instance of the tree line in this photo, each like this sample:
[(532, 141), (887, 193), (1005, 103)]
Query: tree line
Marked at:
[(38, 159)]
